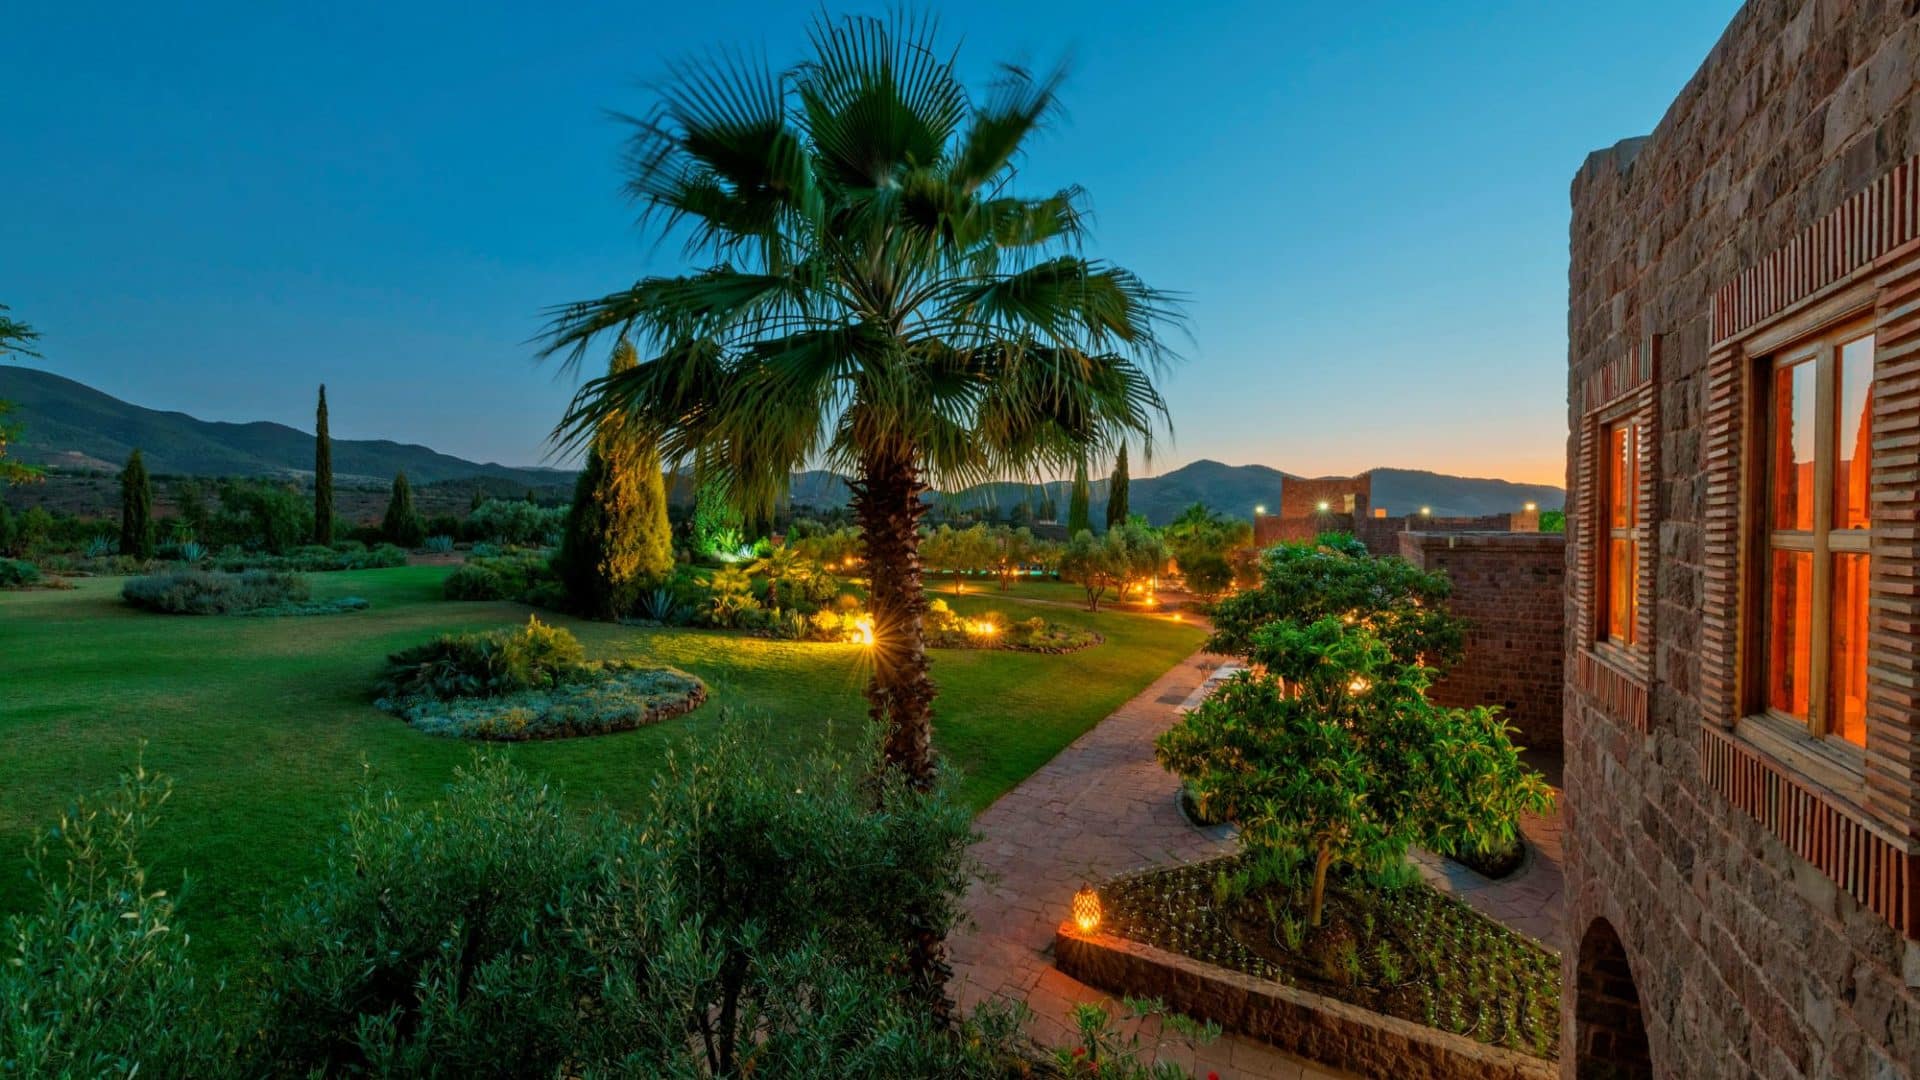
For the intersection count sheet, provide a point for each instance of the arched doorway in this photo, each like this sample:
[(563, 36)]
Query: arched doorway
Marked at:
[(1609, 1033)]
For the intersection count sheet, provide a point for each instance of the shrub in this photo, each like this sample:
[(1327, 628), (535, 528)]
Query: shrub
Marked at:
[(489, 664), (501, 933), (439, 544), (97, 980), (502, 577), (187, 551), (514, 521), (18, 573), (446, 525), (197, 592), (315, 558), (272, 517)]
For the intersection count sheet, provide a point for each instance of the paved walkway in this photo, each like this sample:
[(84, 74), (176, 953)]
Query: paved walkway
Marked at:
[(1533, 900), (1102, 807)]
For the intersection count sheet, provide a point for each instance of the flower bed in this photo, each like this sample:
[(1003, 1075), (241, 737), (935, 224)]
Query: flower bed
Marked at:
[(530, 682), (1404, 951), (946, 629), (601, 698), (253, 592)]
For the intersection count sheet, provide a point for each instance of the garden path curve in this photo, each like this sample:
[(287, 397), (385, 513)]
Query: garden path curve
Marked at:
[(1103, 806)]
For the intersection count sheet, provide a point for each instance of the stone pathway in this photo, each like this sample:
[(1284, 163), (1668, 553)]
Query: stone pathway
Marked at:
[(1532, 901), (1102, 807)]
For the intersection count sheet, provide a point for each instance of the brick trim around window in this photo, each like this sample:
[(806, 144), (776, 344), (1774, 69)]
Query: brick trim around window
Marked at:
[(1862, 259), (1624, 390)]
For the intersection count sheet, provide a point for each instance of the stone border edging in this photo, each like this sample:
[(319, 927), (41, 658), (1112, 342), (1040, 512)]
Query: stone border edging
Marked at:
[(1333, 1032)]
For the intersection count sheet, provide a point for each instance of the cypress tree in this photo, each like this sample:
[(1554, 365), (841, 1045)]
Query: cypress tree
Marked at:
[(136, 509), (322, 474), (1117, 491), (617, 539), (1078, 520), (402, 525)]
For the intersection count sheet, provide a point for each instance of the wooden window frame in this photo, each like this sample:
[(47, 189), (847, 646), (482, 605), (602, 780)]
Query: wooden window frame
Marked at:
[(1823, 542), (1808, 746), (1632, 652)]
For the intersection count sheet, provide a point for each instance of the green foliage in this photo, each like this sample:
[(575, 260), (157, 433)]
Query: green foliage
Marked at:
[(1079, 520), (98, 980), (322, 474), (1333, 750), (15, 337), (487, 664), (747, 925), (402, 524), (617, 539), (972, 551), (1102, 1051), (1553, 521), (18, 573), (1125, 558), (1334, 576), (9, 531), (1205, 547), (271, 517), (717, 526), (517, 522), (197, 592), (512, 576), (1117, 490), (136, 509), (313, 559)]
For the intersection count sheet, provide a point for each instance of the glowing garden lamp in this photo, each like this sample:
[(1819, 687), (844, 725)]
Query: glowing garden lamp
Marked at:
[(1531, 507), (1323, 507), (1426, 511), (1259, 509), (1086, 910), (863, 630)]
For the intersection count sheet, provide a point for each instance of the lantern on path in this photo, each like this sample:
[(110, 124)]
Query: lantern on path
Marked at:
[(1086, 909)]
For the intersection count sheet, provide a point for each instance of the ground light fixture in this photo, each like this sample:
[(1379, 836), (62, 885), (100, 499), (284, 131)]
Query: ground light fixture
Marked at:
[(1323, 507), (1086, 909), (1531, 507)]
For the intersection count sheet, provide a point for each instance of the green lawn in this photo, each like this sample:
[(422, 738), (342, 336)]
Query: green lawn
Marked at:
[(267, 726)]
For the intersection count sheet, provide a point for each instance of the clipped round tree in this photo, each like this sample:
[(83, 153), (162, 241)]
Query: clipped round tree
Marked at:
[(402, 524), (617, 539), (136, 509)]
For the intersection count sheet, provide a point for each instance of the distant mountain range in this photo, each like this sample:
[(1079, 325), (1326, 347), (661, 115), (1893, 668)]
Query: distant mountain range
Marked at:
[(73, 427)]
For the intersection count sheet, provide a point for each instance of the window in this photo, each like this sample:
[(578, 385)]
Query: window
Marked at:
[(1619, 562), (1818, 434)]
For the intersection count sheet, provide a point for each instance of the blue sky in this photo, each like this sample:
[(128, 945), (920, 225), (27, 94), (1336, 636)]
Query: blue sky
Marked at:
[(213, 207)]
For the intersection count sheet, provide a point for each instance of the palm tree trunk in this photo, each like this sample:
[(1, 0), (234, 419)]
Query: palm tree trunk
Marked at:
[(886, 502)]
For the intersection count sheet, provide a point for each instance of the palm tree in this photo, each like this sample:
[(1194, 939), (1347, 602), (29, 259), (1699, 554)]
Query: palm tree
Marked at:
[(874, 297)]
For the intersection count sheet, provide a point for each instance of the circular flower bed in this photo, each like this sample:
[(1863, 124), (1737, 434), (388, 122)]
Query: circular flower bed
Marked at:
[(602, 698), (528, 683)]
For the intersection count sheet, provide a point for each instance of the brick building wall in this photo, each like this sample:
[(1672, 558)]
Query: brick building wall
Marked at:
[(1510, 588), (1734, 917)]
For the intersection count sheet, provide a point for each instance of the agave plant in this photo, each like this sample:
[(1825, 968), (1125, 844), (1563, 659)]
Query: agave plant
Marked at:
[(872, 295)]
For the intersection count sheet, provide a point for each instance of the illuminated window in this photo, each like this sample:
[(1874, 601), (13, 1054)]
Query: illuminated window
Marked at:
[(1819, 429), (1620, 535)]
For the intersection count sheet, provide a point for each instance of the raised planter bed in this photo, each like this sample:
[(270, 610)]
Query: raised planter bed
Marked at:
[(1311, 1025)]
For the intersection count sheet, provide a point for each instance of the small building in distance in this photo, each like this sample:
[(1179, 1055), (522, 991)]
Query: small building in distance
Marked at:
[(1311, 506)]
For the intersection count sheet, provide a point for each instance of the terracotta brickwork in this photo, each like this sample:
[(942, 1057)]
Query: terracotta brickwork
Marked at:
[(1510, 588), (1745, 908)]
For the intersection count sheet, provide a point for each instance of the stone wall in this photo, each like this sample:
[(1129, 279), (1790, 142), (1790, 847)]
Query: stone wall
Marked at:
[(1510, 588), (1744, 958)]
